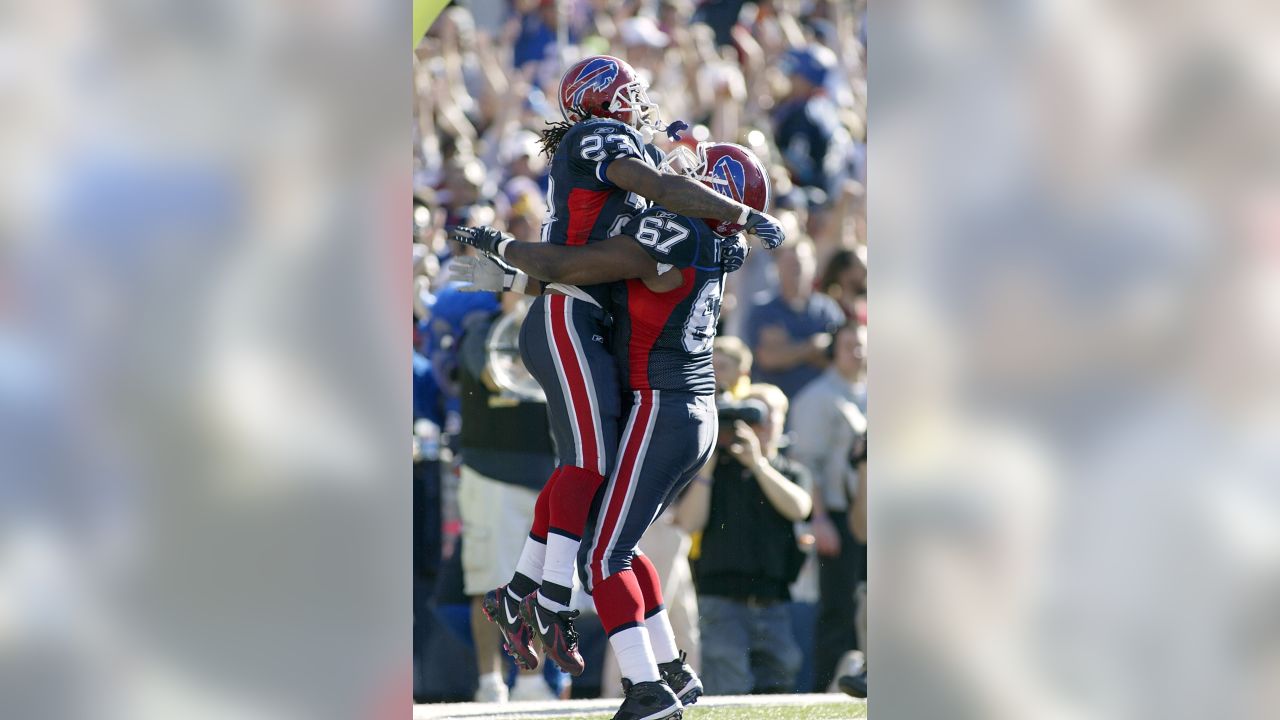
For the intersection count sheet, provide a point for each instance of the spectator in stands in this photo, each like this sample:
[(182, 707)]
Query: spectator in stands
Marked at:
[(827, 429), (845, 281), (806, 125), (507, 456), (533, 29), (747, 501), (732, 362), (789, 334), (721, 15)]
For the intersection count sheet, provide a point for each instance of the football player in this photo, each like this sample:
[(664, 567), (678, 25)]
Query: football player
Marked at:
[(666, 271), (603, 172)]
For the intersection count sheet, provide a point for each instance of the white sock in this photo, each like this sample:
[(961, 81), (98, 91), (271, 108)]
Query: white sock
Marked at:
[(531, 559), (635, 656), (558, 567), (662, 637)]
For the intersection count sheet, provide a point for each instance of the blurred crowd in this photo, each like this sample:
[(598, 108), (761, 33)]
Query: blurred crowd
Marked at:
[(786, 78)]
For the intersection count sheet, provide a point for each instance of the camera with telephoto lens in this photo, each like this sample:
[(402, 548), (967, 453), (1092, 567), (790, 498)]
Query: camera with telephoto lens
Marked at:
[(751, 412)]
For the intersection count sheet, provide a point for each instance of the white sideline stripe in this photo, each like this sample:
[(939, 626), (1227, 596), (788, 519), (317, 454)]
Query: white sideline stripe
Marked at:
[(558, 708)]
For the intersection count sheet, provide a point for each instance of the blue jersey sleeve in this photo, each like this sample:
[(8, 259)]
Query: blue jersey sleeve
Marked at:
[(594, 144)]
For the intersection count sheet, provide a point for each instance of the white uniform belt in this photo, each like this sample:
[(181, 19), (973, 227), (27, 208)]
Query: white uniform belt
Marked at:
[(573, 291)]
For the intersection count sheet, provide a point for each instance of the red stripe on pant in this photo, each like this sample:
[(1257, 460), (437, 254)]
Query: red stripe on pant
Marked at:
[(577, 392), (626, 466)]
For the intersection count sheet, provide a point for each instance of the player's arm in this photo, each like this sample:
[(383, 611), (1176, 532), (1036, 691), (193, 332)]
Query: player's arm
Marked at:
[(686, 196), (618, 258)]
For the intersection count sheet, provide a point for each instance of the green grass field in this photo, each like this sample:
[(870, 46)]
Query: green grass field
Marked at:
[(841, 710)]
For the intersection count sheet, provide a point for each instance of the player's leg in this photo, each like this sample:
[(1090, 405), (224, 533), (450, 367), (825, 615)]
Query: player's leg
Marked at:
[(562, 346), (540, 358), (658, 445), (588, 384), (502, 605), (528, 574), (656, 620), (536, 354), (672, 665)]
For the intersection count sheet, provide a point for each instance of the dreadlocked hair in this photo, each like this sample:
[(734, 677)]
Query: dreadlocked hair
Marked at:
[(552, 136)]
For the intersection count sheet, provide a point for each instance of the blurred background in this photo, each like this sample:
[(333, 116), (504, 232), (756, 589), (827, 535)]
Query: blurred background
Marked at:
[(786, 78), (204, 505), (1075, 394)]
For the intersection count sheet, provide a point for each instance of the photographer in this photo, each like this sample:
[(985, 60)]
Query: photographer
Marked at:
[(746, 501)]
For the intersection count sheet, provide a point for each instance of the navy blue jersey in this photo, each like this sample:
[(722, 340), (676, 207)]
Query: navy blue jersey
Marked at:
[(582, 205), (662, 341)]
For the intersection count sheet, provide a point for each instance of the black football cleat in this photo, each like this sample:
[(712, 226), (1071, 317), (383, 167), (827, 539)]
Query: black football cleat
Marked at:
[(556, 633), (517, 639), (853, 685), (682, 680), (648, 701)]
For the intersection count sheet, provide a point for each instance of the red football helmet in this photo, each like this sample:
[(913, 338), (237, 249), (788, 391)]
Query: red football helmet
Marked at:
[(604, 86), (729, 169)]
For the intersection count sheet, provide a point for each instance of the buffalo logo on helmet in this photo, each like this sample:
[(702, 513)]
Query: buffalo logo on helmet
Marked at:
[(732, 178), (598, 74)]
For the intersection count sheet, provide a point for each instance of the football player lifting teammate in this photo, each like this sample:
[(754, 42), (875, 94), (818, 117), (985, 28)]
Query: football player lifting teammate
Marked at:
[(603, 173), (664, 274)]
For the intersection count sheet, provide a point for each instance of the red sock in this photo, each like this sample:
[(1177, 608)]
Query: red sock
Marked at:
[(571, 502), (647, 580), (542, 508), (619, 602)]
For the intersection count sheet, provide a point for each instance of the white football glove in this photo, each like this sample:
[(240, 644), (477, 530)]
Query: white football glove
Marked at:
[(481, 273)]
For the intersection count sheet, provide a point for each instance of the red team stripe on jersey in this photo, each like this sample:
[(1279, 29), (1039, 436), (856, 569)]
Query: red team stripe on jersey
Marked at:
[(649, 313), (623, 475), (584, 208), (579, 399)]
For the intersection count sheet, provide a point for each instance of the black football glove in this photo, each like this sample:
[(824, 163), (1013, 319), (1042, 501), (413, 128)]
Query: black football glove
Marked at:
[(766, 227), (733, 252), (483, 238)]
